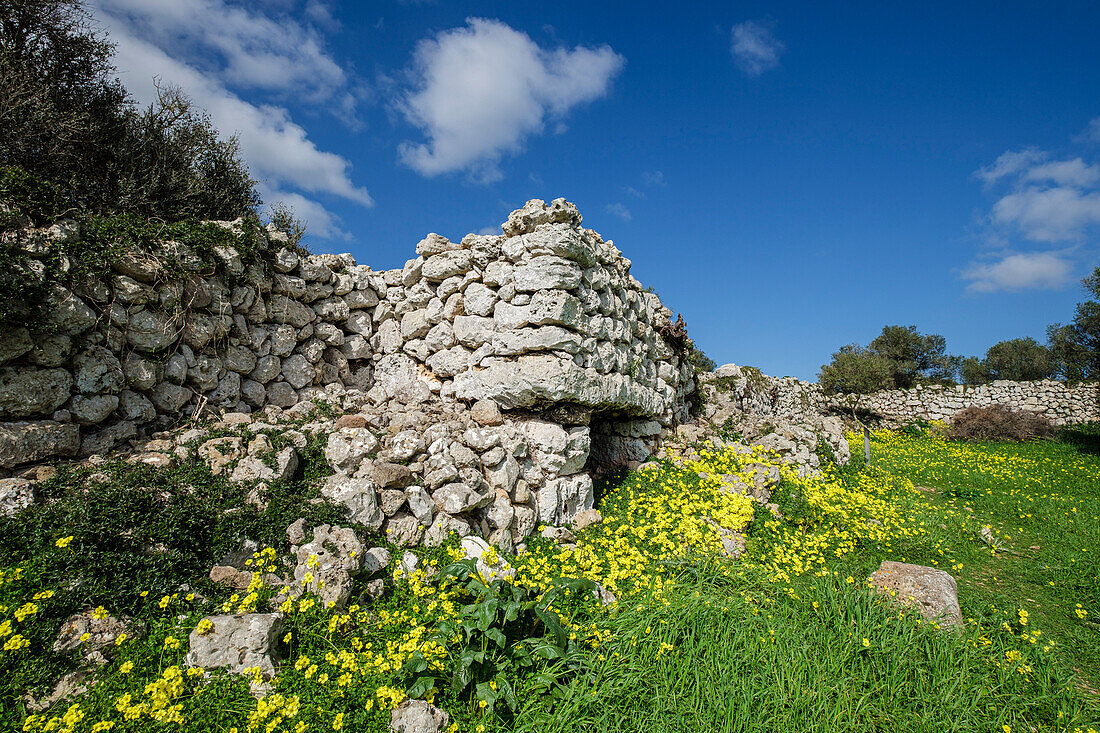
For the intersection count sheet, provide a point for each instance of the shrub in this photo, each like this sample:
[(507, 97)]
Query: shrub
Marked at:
[(998, 422), (67, 119)]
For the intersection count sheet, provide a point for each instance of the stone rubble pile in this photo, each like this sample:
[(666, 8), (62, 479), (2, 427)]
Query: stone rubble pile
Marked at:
[(739, 412)]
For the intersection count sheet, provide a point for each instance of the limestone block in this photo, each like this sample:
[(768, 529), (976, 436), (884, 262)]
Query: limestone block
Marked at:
[(359, 495), (547, 272), (238, 642), (27, 391)]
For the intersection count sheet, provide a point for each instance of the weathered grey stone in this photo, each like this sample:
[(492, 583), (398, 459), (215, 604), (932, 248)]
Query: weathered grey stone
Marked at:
[(97, 371), (281, 309), (149, 330), (487, 413), (359, 495), (563, 498), (14, 342), (443, 527), (16, 494), (444, 265), (92, 409), (346, 448), (238, 642), (417, 716), (328, 564), (68, 314), (547, 272), (27, 391), (25, 442), (457, 498), (932, 592)]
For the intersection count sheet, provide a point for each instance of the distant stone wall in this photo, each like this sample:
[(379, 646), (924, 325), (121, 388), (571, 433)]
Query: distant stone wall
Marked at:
[(789, 397), (1062, 403), (543, 317)]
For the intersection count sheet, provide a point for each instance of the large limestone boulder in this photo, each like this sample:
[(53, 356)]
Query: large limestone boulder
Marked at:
[(238, 642), (417, 716), (327, 564), (930, 591)]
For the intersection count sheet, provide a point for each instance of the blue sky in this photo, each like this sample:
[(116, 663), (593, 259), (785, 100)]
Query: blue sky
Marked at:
[(788, 176)]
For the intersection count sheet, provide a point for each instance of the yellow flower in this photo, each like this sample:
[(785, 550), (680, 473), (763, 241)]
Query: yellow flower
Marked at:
[(64, 541), (866, 642), (127, 667), (338, 722)]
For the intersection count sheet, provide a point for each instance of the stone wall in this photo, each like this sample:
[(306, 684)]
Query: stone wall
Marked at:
[(789, 397), (1063, 404), (544, 319)]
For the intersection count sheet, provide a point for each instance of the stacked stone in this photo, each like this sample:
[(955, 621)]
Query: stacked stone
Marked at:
[(123, 351), (1062, 403), (441, 468), (544, 317), (548, 313), (792, 398)]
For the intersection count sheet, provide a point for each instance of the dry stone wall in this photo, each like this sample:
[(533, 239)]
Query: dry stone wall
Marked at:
[(543, 322), (788, 397)]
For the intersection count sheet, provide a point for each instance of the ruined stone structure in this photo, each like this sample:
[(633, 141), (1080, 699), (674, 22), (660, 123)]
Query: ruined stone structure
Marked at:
[(565, 358)]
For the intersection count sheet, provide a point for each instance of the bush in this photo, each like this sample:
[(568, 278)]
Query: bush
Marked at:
[(999, 423), (65, 118)]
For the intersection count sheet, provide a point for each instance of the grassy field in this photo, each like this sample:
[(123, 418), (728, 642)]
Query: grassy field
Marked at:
[(788, 638)]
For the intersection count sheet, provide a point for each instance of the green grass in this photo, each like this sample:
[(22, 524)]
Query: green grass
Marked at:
[(1042, 502), (742, 655), (724, 647)]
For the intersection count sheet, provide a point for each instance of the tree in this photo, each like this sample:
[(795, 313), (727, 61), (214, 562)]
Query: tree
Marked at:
[(856, 371), (974, 371), (67, 120), (1021, 360), (1075, 347), (912, 355)]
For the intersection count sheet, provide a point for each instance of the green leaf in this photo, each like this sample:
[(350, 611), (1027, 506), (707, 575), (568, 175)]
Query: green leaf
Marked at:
[(421, 686), (497, 636), (553, 624)]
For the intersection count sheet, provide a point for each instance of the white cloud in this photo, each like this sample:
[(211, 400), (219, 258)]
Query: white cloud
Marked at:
[(1022, 271), (1065, 173), (653, 178), (279, 152), (620, 211), (1009, 163), (1041, 199), (1092, 131), (635, 192), (754, 47), (1049, 214), (483, 89), (237, 46)]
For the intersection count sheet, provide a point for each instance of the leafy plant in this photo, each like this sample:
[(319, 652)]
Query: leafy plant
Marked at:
[(505, 633)]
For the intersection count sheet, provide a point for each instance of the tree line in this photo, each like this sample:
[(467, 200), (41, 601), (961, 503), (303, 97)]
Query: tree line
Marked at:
[(902, 357)]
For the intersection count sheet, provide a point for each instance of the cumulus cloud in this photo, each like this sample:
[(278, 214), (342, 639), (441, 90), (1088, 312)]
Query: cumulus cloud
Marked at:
[(1022, 271), (754, 47), (1042, 201), (482, 90), (279, 152), (319, 221), (238, 46), (1054, 214), (653, 178), (620, 211)]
